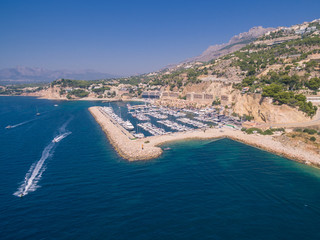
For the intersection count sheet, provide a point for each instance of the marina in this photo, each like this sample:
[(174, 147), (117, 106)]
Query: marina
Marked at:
[(143, 120), (132, 147)]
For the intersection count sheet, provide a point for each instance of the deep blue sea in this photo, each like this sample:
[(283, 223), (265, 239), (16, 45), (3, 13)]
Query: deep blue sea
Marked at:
[(79, 188)]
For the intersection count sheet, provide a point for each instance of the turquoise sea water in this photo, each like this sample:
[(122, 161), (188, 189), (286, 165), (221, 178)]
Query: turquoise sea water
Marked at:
[(79, 188)]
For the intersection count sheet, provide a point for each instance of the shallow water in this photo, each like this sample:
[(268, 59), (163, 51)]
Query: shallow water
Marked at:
[(196, 190)]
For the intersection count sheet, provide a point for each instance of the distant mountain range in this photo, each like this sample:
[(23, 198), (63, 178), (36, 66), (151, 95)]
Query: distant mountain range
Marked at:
[(37, 75)]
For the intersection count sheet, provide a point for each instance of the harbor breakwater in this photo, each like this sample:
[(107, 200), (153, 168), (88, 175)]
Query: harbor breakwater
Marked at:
[(148, 148)]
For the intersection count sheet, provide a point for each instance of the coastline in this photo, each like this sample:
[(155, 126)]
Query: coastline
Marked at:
[(131, 149), (90, 99), (87, 99)]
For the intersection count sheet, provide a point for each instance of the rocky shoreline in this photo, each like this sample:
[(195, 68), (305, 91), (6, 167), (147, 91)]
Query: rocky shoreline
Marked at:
[(148, 148)]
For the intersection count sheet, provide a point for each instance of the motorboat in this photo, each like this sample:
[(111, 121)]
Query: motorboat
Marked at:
[(58, 138), (138, 135), (128, 125)]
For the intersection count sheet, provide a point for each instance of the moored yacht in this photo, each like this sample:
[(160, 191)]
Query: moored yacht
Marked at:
[(128, 125), (138, 135)]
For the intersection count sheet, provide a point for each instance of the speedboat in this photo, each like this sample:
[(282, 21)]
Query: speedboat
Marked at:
[(58, 138), (9, 126)]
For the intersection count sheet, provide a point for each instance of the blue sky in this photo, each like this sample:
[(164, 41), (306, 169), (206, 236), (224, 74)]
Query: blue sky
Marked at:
[(127, 37)]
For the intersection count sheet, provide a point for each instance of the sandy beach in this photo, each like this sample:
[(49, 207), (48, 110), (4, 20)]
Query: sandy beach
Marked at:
[(148, 148)]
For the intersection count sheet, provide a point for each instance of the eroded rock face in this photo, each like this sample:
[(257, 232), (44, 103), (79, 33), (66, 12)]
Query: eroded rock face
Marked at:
[(263, 110), (48, 93)]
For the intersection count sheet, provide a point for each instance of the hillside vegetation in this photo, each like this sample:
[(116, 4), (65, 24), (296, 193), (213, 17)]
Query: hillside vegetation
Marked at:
[(283, 64)]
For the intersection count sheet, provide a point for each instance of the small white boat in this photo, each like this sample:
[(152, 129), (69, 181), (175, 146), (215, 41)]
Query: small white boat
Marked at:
[(138, 135), (56, 105), (9, 126), (128, 125), (60, 137)]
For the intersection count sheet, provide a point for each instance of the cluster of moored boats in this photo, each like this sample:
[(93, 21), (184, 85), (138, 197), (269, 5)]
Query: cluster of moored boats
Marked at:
[(109, 112), (200, 119), (175, 126), (193, 122), (140, 112), (157, 115), (152, 129), (168, 111), (142, 117), (205, 118)]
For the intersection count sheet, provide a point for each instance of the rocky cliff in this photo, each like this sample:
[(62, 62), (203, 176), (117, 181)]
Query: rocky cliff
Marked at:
[(264, 111), (251, 104)]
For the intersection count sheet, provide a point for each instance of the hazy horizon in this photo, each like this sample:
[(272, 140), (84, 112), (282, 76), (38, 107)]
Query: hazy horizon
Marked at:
[(130, 37)]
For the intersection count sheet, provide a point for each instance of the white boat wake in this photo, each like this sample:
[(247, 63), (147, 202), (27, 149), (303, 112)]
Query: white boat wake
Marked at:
[(19, 124), (30, 183)]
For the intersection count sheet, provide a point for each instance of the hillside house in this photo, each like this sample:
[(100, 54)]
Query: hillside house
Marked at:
[(169, 95), (245, 89), (199, 97)]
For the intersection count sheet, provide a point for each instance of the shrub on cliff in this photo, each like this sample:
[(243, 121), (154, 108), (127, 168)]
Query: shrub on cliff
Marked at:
[(253, 130), (313, 84), (309, 131), (267, 132), (280, 97), (79, 93)]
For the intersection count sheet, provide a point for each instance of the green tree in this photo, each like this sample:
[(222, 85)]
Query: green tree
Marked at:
[(313, 84), (271, 90), (248, 81)]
